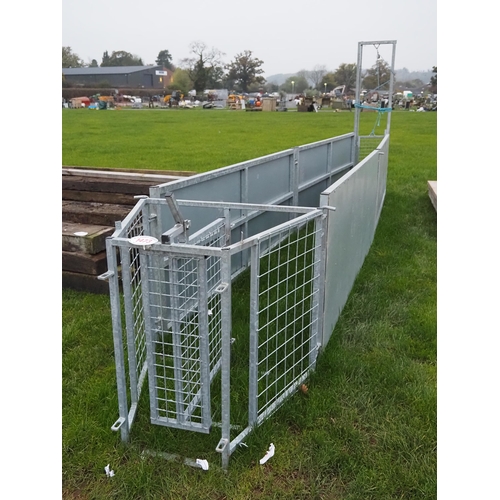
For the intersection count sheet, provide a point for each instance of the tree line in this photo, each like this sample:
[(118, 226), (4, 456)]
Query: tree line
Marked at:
[(205, 69)]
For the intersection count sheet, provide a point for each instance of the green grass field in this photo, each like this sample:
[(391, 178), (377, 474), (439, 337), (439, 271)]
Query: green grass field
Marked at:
[(367, 427), (196, 140)]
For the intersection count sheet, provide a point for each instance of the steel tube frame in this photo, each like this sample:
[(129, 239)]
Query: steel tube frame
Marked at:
[(167, 257), (359, 70)]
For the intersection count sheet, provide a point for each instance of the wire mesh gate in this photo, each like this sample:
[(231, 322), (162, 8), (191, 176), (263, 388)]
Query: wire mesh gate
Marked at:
[(182, 299), (174, 297)]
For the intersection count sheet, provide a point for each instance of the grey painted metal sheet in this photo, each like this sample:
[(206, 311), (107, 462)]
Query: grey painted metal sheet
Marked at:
[(269, 180), (351, 228), (383, 166), (313, 163), (279, 178), (226, 188)]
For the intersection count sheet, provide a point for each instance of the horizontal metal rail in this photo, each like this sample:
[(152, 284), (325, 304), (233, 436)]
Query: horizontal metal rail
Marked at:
[(246, 206)]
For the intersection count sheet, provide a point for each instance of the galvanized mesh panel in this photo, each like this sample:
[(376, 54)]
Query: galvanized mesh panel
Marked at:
[(213, 236), (134, 310), (179, 360), (368, 144), (214, 314), (287, 316), (184, 343)]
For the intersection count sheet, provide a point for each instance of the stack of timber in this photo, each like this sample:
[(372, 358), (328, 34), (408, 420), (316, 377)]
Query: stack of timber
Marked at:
[(92, 201), (433, 193)]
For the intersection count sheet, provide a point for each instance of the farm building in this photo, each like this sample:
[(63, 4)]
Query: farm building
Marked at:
[(148, 77)]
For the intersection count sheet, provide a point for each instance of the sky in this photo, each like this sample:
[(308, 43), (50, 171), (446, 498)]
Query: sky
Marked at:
[(288, 37)]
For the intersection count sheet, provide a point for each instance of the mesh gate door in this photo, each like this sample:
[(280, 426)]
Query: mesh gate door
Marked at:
[(183, 336), (285, 316)]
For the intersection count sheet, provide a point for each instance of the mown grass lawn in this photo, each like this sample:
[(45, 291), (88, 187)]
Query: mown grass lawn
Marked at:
[(367, 427)]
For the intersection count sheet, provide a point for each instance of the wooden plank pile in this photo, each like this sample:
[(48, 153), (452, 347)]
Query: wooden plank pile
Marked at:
[(433, 189), (92, 201)]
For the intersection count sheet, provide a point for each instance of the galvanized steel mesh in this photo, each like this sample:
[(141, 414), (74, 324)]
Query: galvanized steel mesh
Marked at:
[(134, 313), (367, 144), (181, 340), (285, 295), (184, 333)]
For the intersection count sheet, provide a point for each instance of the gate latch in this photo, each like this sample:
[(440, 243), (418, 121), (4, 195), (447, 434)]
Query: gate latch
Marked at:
[(222, 445), (116, 426), (222, 288), (182, 225)]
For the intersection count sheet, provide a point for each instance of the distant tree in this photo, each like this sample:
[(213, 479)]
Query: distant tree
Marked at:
[(93, 64), (165, 59), (180, 81), (414, 84), (316, 75), (205, 68), (216, 77), (434, 80), (245, 70), (121, 58), (303, 73), (345, 74), (311, 92), (105, 58), (228, 83), (300, 84), (70, 59), (271, 87), (378, 76), (330, 81)]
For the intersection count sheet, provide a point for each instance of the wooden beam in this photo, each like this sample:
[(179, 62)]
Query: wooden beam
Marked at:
[(100, 197), (432, 186), (84, 238), (84, 263), (180, 173), (100, 214), (105, 185), (158, 177)]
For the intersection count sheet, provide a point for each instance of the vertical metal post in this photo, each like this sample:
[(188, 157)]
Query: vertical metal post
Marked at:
[(242, 257), (355, 145), (226, 355), (150, 345), (254, 335), (323, 221), (176, 340), (121, 380), (157, 227), (329, 161), (204, 342), (244, 213), (227, 226), (295, 176), (318, 288), (129, 323), (391, 87)]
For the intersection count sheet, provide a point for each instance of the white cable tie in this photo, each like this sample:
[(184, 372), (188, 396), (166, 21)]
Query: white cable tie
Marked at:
[(268, 455), (202, 463), (108, 471)]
